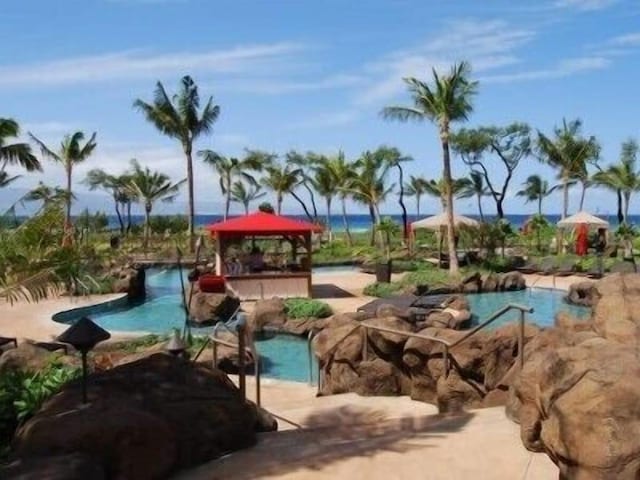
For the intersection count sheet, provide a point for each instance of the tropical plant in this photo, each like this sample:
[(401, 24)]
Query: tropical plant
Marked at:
[(179, 117), (306, 308), (115, 185), (230, 168), (45, 194), (266, 207), (305, 162), (474, 186), (325, 182), (395, 160), (437, 189), (343, 174), (71, 153), (447, 100), (623, 177), (149, 187), (570, 153), (535, 190), (509, 144), (6, 179), (416, 187), (283, 180), (388, 228), (244, 195), (15, 153)]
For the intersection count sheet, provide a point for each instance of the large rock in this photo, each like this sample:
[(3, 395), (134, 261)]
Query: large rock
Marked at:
[(31, 358), (268, 314), (144, 419), (212, 307), (581, 293), (616, 312), (385, 343), (73, 466), (580, 406), (490, 282), (129, 280), (472, 283), (455, 392), (512, 281)]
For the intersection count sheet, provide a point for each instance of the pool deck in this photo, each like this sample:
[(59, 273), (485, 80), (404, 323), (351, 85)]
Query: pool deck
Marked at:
[(348, 436)]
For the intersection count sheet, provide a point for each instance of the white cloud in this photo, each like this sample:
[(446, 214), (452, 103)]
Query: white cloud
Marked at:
[(585, 5), (136, 64), (563, 68), (326, 120), (268, 86), (488, 45), (627, 40)]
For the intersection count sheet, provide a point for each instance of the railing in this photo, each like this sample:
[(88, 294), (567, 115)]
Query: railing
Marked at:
[(243, 352), (446, 346)]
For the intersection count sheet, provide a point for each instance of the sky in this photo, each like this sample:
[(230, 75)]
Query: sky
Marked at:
[(314, 75)]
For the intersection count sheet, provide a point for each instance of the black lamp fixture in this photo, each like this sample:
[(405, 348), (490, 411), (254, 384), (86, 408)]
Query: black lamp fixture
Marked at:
[(176, 346), (83, 336)]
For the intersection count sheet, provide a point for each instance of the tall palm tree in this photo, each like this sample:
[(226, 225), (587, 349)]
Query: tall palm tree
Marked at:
[(15, 153), (282, 180), (622, 177), (71, 153), (447, 100), (149, 187), (437, 189), (570, 153), (535, 190), (369, 185), (179, 117), (305, 162), (474, 186), (416, 187), (325, 183), (115, 185), (395, 160), (45, 194), (343, 174), (244, 195)]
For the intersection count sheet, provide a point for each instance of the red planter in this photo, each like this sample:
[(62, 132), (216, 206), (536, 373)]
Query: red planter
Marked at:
[(211, 284)]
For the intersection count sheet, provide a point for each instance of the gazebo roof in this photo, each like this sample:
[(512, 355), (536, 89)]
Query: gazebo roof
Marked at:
[(437, 221), (263, 224), (583, 218)]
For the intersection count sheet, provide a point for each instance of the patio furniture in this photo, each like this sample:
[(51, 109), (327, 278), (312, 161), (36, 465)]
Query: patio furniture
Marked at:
[(53, 346)]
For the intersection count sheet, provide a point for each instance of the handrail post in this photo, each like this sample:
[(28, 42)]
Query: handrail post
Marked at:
[(521, 341), (241, 326), (365, 346), (256, 360), (309, 339)]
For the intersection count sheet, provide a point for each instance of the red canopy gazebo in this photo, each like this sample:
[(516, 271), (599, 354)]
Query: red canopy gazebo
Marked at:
[(250, 282)]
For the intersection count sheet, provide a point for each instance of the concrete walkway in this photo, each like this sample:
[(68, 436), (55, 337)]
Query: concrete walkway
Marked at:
[(352, 437)]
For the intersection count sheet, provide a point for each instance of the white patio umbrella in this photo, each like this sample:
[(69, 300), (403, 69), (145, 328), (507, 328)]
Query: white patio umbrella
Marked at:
[(438, 221), (583, 218)]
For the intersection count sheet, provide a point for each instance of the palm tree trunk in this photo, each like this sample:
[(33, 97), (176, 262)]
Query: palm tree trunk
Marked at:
[(279, 203), (227, 204), (582, 195), (192, 237), (565, 197), (329, 219), (620, 214), (147, 225), (304, 206), (540, 205), (405, 223), (373, 225), (120, 221), (500, 208), (246, 208), (313, 201), (417, 206), (345, 221), (627, 199), (446, 160), (67, 219), (480, 208), (128, 217)]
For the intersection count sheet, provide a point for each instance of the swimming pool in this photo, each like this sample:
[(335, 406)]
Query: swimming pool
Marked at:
[(285, 356)]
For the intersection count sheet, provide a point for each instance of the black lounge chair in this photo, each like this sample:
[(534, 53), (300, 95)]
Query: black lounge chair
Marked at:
[(53, 346), (6, 341)]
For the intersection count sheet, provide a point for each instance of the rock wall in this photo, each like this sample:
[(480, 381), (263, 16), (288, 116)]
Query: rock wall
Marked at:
[(578, 396)]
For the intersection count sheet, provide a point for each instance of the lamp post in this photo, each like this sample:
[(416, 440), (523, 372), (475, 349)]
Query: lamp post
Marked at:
[(83, 336), (176, 346)]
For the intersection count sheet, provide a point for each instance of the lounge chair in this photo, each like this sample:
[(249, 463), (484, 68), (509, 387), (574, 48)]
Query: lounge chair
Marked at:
[(53, 346)]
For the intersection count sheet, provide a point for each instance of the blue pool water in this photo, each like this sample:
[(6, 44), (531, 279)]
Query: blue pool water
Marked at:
[(285, 356), (545, 302)]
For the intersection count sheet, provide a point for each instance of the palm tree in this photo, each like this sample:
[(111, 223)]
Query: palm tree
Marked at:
[(436, 188), (45, 194), (178, 117), (447, 100), (570, 153), (325, 182), (115, 185), (148, 187), (70, 154), (622, 177), (282, 180), (474, 186), (5, 179), (535, 190), (243, 195), (305, 163), (15, 153), (395, 160), (369, 184), (343, 174), (416, 188)]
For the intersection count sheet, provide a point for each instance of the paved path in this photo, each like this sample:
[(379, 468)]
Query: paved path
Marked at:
[(352, 437)]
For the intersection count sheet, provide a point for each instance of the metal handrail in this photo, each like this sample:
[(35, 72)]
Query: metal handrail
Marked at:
[(447, 346)]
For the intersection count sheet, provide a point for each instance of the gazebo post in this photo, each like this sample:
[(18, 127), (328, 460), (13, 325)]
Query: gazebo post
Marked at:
[(307, 242), (218, 248)]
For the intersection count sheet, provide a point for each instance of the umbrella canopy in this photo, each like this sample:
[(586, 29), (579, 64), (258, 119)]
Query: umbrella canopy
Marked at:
[(584, 218), (438, 221)]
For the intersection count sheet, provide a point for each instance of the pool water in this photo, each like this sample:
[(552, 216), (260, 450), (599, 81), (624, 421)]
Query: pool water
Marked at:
[(286, 356), (545, 302)]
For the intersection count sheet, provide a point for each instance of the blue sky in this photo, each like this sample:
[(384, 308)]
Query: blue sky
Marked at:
[(313, 75)]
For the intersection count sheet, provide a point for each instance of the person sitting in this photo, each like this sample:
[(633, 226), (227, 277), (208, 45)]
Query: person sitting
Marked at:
[(256, 260)]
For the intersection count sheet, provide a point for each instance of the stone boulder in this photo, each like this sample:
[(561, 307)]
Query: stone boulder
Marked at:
[(31, 358), (490, 282), (616, 311), (581, 293), (268, 314), (74, 466), (511, 281), (580, 406), (144, 419), (472, 283), (385, 343), (207, 308), (129, 280), (454, 393), (447, 318)]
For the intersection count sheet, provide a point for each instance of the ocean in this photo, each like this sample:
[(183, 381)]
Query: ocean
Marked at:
[(362, 223)]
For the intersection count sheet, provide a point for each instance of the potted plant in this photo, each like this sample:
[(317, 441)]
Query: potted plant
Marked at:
[(387, 228)]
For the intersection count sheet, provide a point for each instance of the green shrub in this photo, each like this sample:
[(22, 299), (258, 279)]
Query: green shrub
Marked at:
[(170, 223), (381, 289), (306, 308)]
